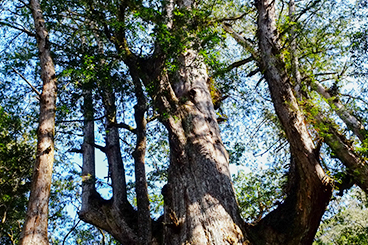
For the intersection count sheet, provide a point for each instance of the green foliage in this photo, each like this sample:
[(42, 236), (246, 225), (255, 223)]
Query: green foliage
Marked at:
[(348, 225), (258, 192), (16, 161)]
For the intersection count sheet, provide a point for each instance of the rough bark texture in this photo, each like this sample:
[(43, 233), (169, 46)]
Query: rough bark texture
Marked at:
[(35, 226), (296, 220), (199, 196)]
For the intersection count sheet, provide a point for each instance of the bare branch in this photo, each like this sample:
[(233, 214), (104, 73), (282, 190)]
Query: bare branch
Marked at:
[(235, 65), (125, 126), (29, 33), (33, 88)]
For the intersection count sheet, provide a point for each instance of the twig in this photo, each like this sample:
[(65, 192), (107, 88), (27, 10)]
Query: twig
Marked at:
[(29, 33), (71, 230), (81, 120)]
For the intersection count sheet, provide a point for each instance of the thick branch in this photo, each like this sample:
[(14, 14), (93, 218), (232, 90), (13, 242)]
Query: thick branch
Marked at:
[(296, 220), (126, 126), (234, 65), (247, 45), (356, 165), (351, 122)]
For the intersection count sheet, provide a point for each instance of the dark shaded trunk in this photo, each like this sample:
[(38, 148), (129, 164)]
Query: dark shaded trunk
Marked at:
[(143, 205), (35, 226)]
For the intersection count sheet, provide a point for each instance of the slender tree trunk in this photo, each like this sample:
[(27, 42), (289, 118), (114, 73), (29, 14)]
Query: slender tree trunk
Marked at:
[(35, 226), (143, 204)]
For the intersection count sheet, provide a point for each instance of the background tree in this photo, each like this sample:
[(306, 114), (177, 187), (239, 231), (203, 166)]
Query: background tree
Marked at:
[(16, 154)]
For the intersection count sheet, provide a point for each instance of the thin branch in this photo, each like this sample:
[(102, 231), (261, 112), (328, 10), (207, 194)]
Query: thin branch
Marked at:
[(234, 65), (325, 74), (307, 9), (76, 150), (29, 33), (125, 126), (70, 231), (150, 119), (82, 120), (33, 88), (25, 4), (103, 235)]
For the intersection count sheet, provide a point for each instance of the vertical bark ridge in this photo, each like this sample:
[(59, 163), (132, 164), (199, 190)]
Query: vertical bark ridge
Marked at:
[(297, 219), (199, 197), (35, 226)]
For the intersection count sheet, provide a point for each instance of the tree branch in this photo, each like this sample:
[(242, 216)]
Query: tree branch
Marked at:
[(29, 33), (30, 84), (125, 126), (234, 65), (247, 45), (351, 122)]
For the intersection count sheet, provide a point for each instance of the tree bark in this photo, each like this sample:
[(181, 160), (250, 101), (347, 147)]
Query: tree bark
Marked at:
[(199, 196), (296, 220), (35, 226), (143, 204)]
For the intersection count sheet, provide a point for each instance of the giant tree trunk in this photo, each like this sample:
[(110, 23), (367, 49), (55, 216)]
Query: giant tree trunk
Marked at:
[(199, 200), (35, 226), (200, 203)]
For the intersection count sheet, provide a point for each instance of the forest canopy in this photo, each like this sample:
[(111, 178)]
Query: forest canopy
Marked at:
[(183, 122)]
